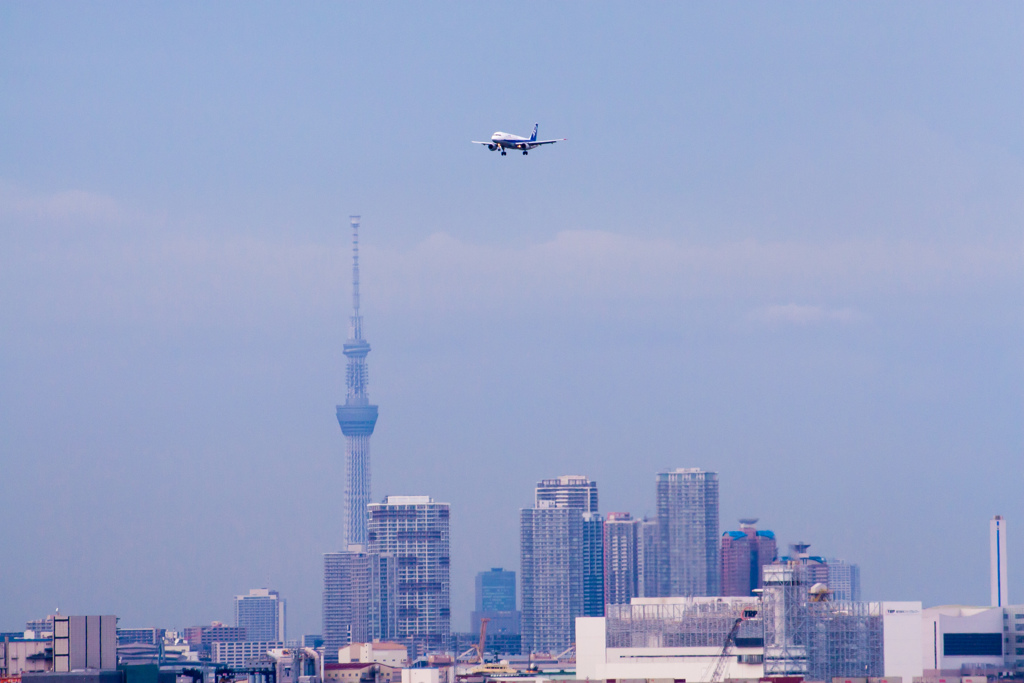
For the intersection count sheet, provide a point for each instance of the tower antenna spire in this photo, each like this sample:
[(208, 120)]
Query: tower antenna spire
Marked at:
[(357, 416), (357, 320)]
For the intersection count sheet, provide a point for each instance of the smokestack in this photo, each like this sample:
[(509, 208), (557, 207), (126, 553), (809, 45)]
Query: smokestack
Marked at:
[(997, 557)]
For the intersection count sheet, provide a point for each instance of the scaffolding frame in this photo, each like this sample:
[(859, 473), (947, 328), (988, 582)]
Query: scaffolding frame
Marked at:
[(786, 627), (845, 640), (690, 623)]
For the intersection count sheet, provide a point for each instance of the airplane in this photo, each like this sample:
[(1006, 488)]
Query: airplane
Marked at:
[(505, 141)]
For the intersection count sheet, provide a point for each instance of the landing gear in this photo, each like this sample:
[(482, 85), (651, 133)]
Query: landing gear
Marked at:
[(525, 153), (502, 152)]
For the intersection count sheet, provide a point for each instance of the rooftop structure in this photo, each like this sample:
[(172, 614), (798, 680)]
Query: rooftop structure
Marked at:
[(567, 491), (356, 417)]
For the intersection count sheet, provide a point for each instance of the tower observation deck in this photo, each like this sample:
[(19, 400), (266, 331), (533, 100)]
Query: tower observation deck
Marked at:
[(356, 417)]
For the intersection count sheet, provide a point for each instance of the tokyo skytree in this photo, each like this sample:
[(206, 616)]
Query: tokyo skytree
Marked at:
[(357, 417)]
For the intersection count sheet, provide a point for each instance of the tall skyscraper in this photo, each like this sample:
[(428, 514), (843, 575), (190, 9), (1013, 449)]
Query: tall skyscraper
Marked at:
[(997, 561), (357, 417), (358, 600), (262, 614), (496, 601), (496, 590), (688, 526), (593, 564), (744, 553), (622, 552), (561, 554), (647, 558), (414, 530)]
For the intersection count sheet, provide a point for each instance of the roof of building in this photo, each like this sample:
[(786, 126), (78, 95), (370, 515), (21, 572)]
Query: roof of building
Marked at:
[(349, 665), (408, 500), (388, 646)]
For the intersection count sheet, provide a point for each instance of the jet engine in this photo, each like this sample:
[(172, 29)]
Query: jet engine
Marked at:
[(492, 147)]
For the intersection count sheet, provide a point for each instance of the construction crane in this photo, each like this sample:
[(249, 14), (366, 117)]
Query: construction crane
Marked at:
[(730, 640), (483, 640), (475, 653)]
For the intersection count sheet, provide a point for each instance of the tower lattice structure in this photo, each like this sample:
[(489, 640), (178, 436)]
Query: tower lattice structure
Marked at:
[(357, 417)]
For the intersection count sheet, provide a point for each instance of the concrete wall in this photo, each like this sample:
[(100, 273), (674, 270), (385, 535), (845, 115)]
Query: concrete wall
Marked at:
[(901, 639), (420, 676)]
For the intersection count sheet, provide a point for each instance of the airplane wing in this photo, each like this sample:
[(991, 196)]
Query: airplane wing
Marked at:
[(477, 142), (547, 142)]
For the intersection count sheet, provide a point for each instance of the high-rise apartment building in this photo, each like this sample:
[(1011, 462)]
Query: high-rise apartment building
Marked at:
[(647, 564), (744, 553), (262, 614), (357, 417), (562, 558), (622, 552), (359, 598), (687, 501), (593, 564), (496, 601), (414, 531)]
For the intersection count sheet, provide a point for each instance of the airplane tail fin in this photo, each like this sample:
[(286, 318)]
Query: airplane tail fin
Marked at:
[(535, 126)]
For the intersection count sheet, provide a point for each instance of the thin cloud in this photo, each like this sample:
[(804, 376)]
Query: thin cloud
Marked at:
[(796, 314), (67, 207), (177, 276)]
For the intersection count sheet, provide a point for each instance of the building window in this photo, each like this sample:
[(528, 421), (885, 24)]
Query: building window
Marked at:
[(1020, 650), (1019, 627), (972, 644)]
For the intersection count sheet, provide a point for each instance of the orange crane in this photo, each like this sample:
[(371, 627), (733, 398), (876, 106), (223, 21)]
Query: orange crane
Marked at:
[(483, 639)]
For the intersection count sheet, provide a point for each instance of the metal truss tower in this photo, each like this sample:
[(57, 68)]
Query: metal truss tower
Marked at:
[(357, 417)]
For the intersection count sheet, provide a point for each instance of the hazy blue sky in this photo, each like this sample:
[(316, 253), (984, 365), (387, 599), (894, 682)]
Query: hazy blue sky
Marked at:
[(782, 242)]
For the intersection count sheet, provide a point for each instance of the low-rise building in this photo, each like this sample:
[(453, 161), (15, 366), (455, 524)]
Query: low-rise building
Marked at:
[(21, 655), (296, 664), (361, 672), (236, 654), (782, 633), (965, 638), (390, 654)]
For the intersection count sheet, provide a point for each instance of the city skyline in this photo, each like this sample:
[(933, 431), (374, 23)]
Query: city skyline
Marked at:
[(793, 259)]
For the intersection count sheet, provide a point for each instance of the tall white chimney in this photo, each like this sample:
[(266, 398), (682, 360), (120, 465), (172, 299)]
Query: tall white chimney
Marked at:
[(997, 557)]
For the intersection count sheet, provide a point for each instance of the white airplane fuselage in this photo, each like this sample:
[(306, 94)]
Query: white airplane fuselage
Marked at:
[(503, 141), (509, 141)]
